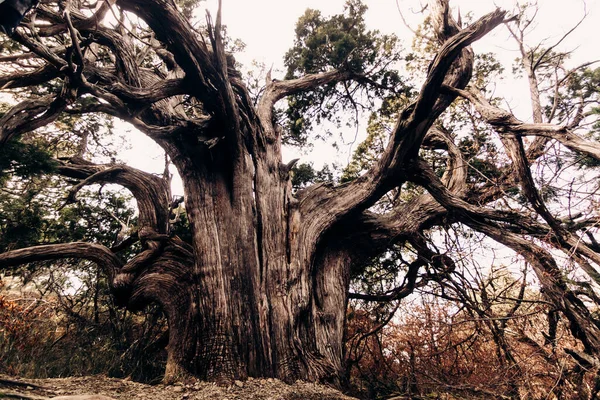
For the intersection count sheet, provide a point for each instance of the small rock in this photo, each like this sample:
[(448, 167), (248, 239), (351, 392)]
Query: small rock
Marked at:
[(178, 389), (239, 384), (29, 388)]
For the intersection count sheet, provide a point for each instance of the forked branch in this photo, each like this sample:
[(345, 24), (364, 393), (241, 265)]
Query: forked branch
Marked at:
[(413, 124)]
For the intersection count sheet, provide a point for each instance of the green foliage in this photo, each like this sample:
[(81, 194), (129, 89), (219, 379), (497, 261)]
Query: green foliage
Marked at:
[(368, 151), (187, 7), (24, 159), (96, 217), (480, 152), (96, 132), (378, 129), (304, 175), (577, 99), (8, 46), (21, 221), (588, 162), (585, 83), (73, 328), (21, 214), (339, 42), (583, 88), (382, 273), (486, 71), (181, 227), (30, 217)]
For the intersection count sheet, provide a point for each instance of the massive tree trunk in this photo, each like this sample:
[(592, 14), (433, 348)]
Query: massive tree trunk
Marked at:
[(262, 288), (255, 293)]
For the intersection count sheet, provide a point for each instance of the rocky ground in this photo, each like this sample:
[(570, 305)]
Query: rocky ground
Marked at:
[(252, 389)]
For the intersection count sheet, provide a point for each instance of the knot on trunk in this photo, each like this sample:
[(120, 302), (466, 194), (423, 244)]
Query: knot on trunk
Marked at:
[(121, 288)]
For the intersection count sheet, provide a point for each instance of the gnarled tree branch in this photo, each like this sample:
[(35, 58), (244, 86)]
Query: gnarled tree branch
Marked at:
[(97, 253), (412, 126)]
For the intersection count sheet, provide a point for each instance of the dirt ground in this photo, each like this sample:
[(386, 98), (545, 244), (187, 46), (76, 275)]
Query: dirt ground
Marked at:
[(252, 389)]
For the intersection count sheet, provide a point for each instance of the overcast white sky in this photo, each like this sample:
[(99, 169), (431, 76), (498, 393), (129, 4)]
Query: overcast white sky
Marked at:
[(267, 28)]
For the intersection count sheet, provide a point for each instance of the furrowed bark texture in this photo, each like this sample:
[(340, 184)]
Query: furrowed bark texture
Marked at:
[(262, 288)]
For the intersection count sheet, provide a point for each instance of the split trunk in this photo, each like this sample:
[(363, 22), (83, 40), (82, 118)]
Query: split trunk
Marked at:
[(258, 293)]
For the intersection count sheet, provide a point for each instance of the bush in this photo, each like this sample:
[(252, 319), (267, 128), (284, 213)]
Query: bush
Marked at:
[(53, 336)]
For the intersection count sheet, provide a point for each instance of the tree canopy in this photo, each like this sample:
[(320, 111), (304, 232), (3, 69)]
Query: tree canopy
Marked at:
[(458, 248)]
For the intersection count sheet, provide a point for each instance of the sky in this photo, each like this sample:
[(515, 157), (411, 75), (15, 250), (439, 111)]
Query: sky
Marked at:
[(267, 29), (267, 26)]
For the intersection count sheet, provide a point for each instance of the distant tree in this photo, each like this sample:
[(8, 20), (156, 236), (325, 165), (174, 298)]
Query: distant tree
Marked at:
[(261, 285)]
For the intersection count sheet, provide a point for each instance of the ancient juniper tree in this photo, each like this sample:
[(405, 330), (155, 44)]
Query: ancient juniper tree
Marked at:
[(261, 288)]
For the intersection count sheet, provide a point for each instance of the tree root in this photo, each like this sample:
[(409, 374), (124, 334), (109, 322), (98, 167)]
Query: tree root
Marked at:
[(23, 396), (13, 382)]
